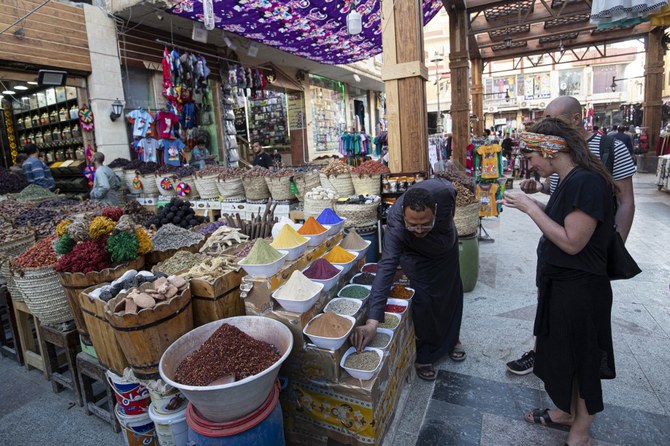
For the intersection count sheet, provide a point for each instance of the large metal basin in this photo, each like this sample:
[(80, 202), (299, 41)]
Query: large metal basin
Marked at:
[(228, 402)]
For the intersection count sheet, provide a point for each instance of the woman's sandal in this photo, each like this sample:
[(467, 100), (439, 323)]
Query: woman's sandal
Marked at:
[(541, 416), (458, 353), (426, 372)]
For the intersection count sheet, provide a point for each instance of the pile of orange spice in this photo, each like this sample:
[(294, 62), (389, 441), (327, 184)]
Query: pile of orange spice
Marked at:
[(311, 227), (339, 255)]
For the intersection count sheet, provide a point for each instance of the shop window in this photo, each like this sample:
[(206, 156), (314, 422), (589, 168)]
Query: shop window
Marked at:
[(328, 112), (570, 82), (602, 77), (138, 88)]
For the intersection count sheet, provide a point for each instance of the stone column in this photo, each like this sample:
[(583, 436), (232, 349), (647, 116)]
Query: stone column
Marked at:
[(476, 67), (653, 86), (105, 84)]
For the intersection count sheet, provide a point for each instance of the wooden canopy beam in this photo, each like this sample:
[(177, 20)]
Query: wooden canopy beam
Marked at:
[(480, 24)]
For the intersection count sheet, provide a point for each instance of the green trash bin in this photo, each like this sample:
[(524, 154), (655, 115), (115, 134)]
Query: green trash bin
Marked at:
[(468, 256)]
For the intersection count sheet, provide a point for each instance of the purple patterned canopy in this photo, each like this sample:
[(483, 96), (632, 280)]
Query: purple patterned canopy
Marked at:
[(313, 29)]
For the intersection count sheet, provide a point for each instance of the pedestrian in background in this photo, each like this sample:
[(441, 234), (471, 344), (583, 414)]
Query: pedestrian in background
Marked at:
[(106, 184)]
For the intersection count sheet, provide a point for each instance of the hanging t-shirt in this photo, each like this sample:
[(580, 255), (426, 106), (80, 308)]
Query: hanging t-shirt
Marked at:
[(486, 195), (166, 123), (172, 150), (148, 148), (142, 122), (490, 160)]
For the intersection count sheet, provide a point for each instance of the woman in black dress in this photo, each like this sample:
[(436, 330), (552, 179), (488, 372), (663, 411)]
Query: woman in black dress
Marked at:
[(573, 320)]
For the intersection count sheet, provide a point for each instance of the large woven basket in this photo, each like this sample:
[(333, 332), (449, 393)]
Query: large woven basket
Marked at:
[(280, 188), (129, 176), (466, 219), (149, 186), (313, 207), (306, 182), (255, 188), (166, 193), (367, 184), (341, 184), (119, 172), (231, 189), (44, 295), (358, 215), (7, 251), (206, 186)]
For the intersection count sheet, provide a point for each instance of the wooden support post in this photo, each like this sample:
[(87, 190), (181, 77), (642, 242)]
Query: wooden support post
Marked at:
[(476, 68), (404, 74), (460, 91), (653, 86)]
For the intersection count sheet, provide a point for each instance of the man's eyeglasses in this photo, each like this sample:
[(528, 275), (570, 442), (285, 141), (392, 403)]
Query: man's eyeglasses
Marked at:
[(418, 228)]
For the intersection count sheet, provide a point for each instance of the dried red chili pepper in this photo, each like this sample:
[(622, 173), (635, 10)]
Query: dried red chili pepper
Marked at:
[(395, 308)]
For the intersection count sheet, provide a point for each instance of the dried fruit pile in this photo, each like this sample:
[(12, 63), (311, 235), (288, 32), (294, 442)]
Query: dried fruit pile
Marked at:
[(149, 295)]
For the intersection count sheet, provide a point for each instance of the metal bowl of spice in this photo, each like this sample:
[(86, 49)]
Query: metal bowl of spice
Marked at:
[(329, 330), (226, 402), (363, 365), (344, 306)]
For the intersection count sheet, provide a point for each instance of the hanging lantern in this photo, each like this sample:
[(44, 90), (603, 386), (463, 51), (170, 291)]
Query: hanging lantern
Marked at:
[(354, 23)]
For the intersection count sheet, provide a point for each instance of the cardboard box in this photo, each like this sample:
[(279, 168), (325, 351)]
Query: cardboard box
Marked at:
[(351, 412)]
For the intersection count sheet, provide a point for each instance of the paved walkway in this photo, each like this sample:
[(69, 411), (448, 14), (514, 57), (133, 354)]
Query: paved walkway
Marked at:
[(475, 402)]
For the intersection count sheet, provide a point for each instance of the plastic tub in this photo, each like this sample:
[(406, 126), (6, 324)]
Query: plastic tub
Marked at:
[(132, 397), (362, 374), (264, 426), (388, 332), (328, 284), (137, 430), (335, 228), (266, 270), (315, 240), (361, 252), (171, 429), (358, 302), (329, 343), (168, 402), (359, 274), (399, 302), (227, 402), (347, 266), (295, 252), (298, 306)]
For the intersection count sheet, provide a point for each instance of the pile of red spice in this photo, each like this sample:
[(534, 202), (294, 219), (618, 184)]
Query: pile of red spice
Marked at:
[(85, 257), (321, 269), (112, 213), (395, 308), (40, 255), (229, 351)]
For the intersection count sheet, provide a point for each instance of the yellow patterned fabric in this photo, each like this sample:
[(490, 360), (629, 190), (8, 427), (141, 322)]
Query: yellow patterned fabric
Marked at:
[(547, 145)]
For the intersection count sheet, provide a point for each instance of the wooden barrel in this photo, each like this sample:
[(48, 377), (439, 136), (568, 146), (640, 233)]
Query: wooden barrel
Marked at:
[(218, 299), (75, 283), (145, 336), (102, 335)]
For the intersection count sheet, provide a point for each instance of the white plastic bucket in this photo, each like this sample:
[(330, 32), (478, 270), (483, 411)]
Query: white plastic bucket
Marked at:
[(169, 402), (171, 429), (137, 430)]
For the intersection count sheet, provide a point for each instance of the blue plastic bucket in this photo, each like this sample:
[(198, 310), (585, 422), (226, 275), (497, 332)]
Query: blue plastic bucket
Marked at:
[(264, 426)]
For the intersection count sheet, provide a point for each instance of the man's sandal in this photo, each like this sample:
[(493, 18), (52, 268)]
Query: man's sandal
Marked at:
[(458, 354), (426, 372), (541, 416)]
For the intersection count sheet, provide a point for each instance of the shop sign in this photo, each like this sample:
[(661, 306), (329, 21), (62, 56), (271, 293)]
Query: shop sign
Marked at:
[(500, 121)]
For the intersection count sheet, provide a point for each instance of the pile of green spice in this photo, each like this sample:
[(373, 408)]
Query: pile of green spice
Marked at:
[(33, 192), (182, 260), (261, 254), (380, 340), (391, 321), (366, 361), (354, 292)]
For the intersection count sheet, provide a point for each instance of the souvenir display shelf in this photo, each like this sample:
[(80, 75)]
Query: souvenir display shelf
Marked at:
[(267, 118)]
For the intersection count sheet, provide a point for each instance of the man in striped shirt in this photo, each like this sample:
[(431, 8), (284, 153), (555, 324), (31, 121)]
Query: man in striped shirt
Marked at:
[(569, 108)]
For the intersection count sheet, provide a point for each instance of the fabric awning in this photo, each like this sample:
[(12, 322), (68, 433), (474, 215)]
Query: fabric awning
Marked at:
[(313, 29)]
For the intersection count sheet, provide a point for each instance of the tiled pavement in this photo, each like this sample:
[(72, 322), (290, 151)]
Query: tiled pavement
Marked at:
[(474, 402)]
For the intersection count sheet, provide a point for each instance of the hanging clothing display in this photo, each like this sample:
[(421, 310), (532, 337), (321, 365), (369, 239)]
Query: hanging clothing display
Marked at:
[(167, 121), (173, 151), (487, 194), (491, 164), (148, 149), (141, 120)]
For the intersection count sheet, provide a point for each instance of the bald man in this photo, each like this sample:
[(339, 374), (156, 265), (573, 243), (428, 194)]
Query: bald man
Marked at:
[(569, 109)]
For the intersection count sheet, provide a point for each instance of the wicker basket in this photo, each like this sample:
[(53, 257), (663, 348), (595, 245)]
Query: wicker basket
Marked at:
[(280, 188), (44, 294), (166, 193), (313, 207), (149, 186), (119, 172), (466, 219), (367, 184), (358, 215), (129, 176), (341, 184), (7, 251), (206, 186), (231, 189), (255, 188), (306, 182)]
